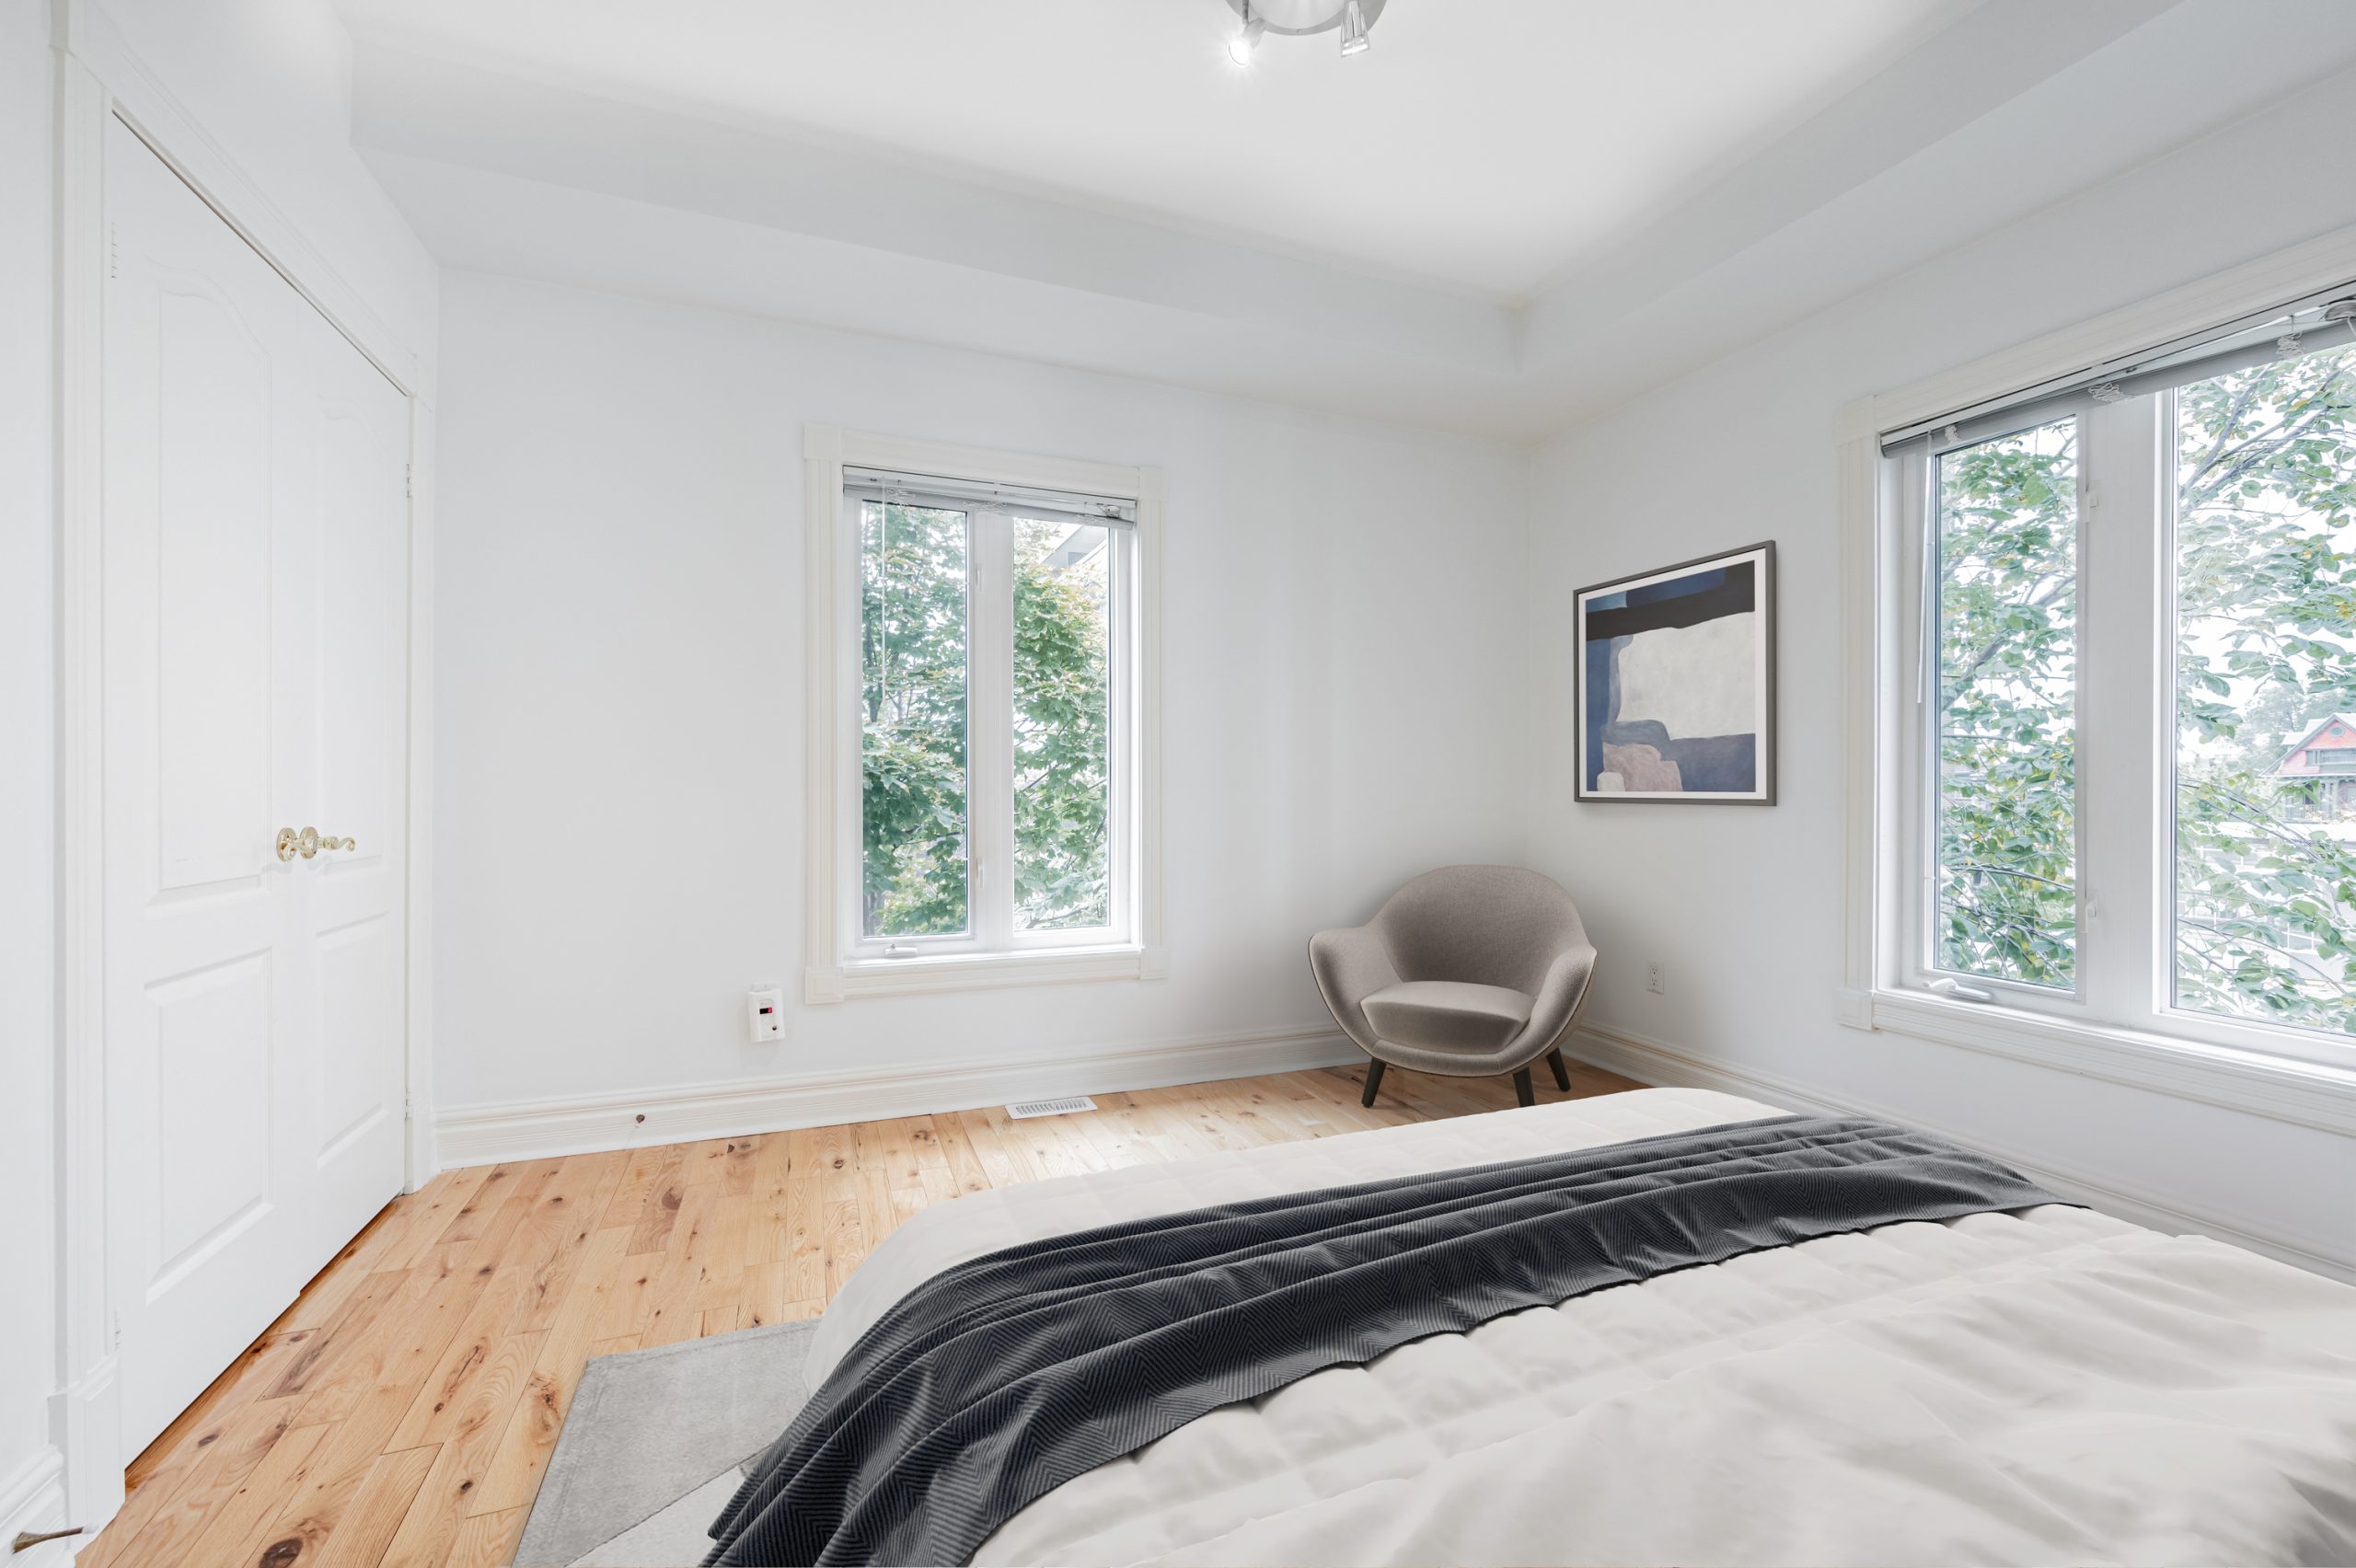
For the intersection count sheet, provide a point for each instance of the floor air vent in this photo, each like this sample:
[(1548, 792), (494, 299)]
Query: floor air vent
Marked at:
[(1063, 1107)]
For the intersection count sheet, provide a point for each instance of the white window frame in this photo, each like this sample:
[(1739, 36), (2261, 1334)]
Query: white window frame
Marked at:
[(840, 960), (990, 702), (1917, 482), (2118, 1025)]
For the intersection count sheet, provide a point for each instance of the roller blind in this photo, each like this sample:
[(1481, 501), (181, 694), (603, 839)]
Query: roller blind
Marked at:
[(2318, 321), (941, 489)]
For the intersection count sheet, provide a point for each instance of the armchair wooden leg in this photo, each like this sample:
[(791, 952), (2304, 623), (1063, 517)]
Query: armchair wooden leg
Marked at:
[(1522, 1089), (1373, 1081), (1562, 1073)]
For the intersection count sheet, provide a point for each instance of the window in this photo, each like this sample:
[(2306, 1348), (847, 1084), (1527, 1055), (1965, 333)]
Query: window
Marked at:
[(987, 811), (2122, 779), (2265, 634), (2005, 686), (915, 811), (2131, 695), (1025, 685)]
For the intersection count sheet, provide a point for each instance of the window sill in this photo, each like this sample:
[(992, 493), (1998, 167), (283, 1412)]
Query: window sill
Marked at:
[(979, 971), (2309, 1094)]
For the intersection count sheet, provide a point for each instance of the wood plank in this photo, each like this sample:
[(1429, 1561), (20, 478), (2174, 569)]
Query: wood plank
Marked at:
[(886, 1149), (766, 1239), (739, 1165), (674, 1301), (236, 1525), (773, 1162), (641, 1169), (762, 1296), (338, 1473), (486, 1540), (485, 1200), (431, 1209), (820, 1149), (376, 1510), (494, 1239), (315, 1349), (1114, 1138), (734, 1217), (842, 1239), (957, 1152), (244, 1381), (1006, 1164), (460, 1464), (1052, 1151), (804, 1252), (408, 1338), (163, 1534), (660, 1212), (531, 1426), (877, 1215), (377, 1247), (924, 1135), (434, 1409), (569, 1217), (623, 1301), (1174, 1134)]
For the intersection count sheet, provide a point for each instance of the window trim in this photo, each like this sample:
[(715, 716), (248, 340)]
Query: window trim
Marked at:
[(2246, 1067), (833, 971)]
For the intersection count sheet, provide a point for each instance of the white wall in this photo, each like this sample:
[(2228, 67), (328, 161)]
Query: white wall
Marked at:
[(27, 750), (620, 715), (1744, 905)]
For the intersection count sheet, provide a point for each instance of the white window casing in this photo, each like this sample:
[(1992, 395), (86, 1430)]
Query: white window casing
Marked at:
[(840, 962), (2111, 1027)]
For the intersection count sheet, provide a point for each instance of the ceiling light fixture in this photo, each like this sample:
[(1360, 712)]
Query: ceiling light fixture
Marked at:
[(1240, 47), (1353, 39), (1298, 18)]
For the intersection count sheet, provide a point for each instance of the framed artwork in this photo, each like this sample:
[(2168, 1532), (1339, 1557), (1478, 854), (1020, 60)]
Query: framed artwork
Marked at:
[(1676, 689)]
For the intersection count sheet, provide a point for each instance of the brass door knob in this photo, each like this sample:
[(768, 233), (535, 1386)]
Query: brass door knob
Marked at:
[(309, 843)]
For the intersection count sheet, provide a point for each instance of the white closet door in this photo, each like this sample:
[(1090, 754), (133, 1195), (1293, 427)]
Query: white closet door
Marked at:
[(351, 776), (254, 585)]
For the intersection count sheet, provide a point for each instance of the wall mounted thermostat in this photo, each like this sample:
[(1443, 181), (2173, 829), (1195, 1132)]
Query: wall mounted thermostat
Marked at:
[(765, 1011)]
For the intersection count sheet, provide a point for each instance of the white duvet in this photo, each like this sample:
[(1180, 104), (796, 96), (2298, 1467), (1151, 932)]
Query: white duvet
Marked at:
[(2053, 1386)]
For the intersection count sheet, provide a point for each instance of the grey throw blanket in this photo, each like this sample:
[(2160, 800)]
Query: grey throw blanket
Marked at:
[(1000, 1379)]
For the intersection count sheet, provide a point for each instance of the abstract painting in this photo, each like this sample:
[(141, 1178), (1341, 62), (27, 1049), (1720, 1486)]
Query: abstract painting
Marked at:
[(1676, 689)]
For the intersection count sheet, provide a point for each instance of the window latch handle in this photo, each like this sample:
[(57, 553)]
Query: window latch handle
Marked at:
[(1962, 991)]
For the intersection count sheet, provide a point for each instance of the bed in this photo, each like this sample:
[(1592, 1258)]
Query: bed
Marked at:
[(2046, 1384)]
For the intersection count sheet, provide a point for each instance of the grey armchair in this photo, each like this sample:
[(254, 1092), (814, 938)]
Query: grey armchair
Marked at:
[(1472, 971)]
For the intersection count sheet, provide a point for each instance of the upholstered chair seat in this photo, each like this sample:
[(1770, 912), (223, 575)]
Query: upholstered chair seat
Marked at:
[(1448, 1016), (1469, 970)]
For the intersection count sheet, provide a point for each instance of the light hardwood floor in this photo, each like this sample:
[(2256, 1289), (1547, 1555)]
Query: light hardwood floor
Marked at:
[(402, 1410)]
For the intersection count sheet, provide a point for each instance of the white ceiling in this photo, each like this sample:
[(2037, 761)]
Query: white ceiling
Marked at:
[(604, 152), (1483, 145)]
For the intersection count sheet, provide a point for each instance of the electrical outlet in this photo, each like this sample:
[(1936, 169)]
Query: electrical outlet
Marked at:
[(764, 1012), (1655, 978)]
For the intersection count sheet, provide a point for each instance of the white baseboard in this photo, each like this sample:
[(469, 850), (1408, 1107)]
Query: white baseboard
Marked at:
[(481, 1134), (32, 1501), (1655, 1062)]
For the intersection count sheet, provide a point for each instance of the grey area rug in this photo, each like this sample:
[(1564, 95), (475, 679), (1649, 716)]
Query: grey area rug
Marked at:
[(655, 1444)]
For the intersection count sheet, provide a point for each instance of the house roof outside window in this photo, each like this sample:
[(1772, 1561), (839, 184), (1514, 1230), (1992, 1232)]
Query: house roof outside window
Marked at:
[(2329, 747)]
